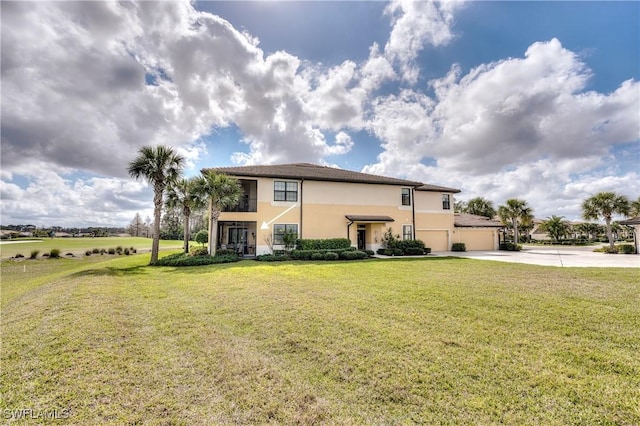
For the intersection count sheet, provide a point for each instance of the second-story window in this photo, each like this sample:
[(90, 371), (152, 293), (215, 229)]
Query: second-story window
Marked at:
[(406, 196), (285, 191), (446, 202)]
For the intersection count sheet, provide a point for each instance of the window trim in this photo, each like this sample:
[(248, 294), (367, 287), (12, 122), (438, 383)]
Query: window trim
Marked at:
[(277, 237), (405, 199), (446, 202), (286, 194), (407, 235)]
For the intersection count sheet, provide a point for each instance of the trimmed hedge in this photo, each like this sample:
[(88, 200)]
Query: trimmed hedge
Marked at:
[(271, 257), (324, 244), (182, 259), (626, 249), (458, 247), (353, 255), (306, 254), (510, 246), (331, 255)]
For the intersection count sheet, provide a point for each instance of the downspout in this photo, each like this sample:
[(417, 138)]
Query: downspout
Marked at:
[(348, 234), (413, 211)]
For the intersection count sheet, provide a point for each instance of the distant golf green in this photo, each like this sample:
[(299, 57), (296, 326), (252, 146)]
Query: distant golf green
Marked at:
[(77, 246)]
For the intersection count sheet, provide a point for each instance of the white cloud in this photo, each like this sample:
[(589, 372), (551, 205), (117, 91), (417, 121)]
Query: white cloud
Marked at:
[(520, 127)]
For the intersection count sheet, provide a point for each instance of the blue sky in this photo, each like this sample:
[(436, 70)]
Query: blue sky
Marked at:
[(535, 100)]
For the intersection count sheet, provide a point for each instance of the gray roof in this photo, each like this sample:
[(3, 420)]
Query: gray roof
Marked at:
[(632, 221), (465, 220), (436, 188), (315, 172)]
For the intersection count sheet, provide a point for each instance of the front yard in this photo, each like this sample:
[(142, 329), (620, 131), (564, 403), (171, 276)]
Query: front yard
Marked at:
[(432, 341)]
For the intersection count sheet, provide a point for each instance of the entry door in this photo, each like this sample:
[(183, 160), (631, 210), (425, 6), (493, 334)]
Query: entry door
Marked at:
[(362, 242)]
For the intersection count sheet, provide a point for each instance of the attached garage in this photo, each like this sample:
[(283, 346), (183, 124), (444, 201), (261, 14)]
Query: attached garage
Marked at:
[(476, 232), (435, 239)]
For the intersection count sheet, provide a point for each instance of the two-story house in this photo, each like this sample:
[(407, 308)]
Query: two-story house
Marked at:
[(324, 202)]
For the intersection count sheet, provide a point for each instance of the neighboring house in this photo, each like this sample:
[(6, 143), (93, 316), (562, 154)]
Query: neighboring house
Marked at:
[(477, 232), (635, 223), (319, 202)]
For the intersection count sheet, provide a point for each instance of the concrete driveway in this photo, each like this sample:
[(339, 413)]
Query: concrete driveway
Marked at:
[(553, 256)]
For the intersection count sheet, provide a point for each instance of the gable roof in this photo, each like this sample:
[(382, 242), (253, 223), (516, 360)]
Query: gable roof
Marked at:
[(465, 220), (314, 172)]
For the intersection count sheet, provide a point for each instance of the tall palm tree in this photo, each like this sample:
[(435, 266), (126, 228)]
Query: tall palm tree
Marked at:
[(479, 206), (605, 205), (514, 213), (183, 194), (222, 191), (160, 166)]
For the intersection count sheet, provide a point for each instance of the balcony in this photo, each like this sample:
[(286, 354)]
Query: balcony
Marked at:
[(245, 204)]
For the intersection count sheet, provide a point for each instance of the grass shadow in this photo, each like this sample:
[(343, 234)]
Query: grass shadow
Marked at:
[(110, 271)]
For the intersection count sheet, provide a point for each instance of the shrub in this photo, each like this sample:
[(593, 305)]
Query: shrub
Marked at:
[(271, 257), (18, 256), (102, 251), (611, 250), (330, 255), (414, 251), (397, 252), (95, 250), (126, 251), (627, 249), (226, 252), (133, 250), (316, 255), (45, 254), (323, 244), (54, 253), (509, 246), (70, 254), (458, 247), (87, 253), (198, 251), (111, 251), (119, 249), (182, 259), (202, 237), (34, 254), (369, 252)]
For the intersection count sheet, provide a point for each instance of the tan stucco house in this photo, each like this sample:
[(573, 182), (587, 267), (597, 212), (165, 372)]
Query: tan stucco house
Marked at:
[(324, 202), (635, 223)]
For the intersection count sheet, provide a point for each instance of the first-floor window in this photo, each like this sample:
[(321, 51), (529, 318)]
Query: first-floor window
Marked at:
[(280, 229), (446, 202), (407, 232)]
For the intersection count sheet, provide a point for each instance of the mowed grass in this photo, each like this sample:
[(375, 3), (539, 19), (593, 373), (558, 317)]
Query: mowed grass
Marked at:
[(79, 245), (433, 341)]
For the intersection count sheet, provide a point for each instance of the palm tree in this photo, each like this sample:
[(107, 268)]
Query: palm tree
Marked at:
[(605, 205), (479, 206), (556, 227), (515, 212), (183, 194), (222, 191), (160, 166), (634, 208)]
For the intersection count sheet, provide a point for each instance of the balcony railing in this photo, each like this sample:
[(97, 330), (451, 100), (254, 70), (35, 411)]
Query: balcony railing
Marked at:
[(245, 205)]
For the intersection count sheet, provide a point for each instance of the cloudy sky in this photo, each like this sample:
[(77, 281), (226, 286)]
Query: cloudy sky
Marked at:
[(535, 100)]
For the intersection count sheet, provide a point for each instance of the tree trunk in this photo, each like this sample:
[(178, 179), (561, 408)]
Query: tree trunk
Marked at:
[(186, 233), (213, 228), (607, 221), (516, 238), (157, 211)]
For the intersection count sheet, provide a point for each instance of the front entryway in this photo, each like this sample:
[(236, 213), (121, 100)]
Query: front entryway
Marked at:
[(362, 238)]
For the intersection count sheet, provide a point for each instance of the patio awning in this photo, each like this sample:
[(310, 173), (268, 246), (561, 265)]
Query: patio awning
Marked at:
[(368, 218)]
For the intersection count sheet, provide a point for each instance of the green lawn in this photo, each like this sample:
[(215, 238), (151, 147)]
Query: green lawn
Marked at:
[(429, 341), (79, 245)]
